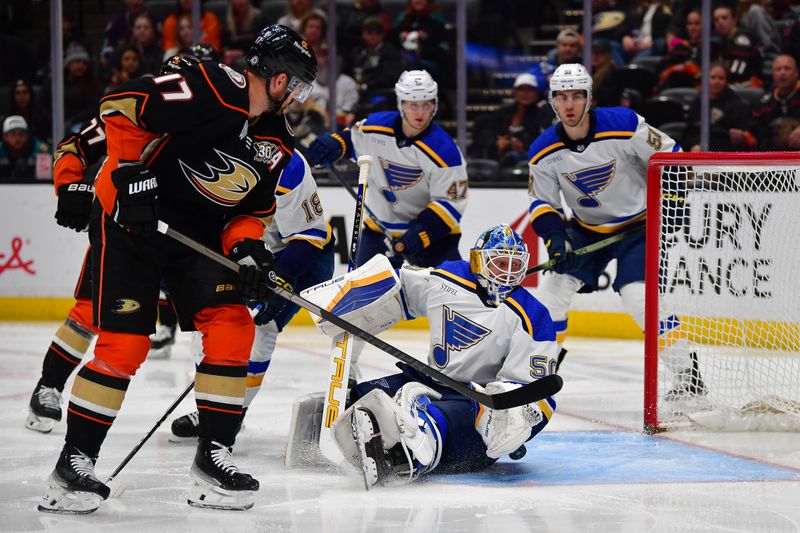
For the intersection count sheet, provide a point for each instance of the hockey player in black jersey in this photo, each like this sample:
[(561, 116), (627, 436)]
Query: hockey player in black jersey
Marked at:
[(75, 191), (179, 151)]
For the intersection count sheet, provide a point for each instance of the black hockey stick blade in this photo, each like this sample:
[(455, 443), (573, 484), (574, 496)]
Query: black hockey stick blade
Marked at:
[(533, 392), (599, 245)]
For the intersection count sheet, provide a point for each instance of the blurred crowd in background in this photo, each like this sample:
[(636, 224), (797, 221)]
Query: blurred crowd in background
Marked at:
[(645, 55)]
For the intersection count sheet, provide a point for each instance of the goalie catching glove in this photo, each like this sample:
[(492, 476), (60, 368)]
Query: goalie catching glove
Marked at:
[(503, 431), (256, 276)]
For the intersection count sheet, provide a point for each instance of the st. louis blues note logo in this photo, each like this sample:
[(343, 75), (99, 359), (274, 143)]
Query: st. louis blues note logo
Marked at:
[(398, 177), (591, 181), (226, 184), (458, 333)]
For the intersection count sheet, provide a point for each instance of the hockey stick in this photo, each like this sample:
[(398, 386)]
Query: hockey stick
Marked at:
[(387, 235), (342, 345), (533, 392), (118, 490), (599, 245)]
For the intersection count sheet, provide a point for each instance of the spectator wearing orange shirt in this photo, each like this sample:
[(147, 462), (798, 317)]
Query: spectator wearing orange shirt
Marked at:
[(211, 31)]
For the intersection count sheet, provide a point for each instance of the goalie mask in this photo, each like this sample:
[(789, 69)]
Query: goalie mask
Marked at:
[(571, 77), (499, 260)]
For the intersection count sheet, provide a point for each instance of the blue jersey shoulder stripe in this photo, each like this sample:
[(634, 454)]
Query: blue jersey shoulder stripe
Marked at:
[(292, 175)]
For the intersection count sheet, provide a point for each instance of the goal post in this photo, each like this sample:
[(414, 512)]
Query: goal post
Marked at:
[(723, 292)]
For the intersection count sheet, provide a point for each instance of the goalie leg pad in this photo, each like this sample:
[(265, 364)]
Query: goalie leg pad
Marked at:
[(302, 448)]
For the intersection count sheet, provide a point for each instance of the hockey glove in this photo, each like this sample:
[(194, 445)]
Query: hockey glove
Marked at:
[(74, 205), (325, 149), (274, 305), (256, 275), (504, 431), (558, 248), (413, 241), (136, 208)]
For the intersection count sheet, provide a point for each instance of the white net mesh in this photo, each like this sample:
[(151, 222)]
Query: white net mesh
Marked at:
[(728, 306)]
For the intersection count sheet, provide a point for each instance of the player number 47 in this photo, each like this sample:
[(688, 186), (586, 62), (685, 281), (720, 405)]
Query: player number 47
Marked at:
[(458, 190), (183, 93), (542, 366)]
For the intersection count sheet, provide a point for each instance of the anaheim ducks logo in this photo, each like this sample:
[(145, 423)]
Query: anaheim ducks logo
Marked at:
[(125, 306), (226, 184)]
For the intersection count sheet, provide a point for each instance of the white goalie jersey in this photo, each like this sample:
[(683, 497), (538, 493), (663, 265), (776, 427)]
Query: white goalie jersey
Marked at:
[(427, 172), (470, 341), (603, 178), (473, 342), (298, 213)]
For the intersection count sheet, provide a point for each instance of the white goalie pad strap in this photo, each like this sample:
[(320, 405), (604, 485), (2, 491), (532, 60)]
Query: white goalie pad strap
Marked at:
[(503, 431), (411, 398), (367, 297), (387, 413)]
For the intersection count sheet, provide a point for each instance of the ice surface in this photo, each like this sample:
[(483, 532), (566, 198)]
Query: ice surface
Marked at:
[(591, 470)]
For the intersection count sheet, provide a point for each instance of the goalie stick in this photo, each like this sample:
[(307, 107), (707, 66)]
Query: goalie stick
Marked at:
[(532, 392), (342, 345), (599, 245), (387, 235)]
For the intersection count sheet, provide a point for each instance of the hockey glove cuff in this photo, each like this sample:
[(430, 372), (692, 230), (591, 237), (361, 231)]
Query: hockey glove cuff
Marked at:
[(136, 208), (326, 149), (74, 205), (256, 275), (560, 250)]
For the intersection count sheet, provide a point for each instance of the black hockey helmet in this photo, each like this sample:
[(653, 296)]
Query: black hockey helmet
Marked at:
[(178, 63), (204, 52), (280, 49)]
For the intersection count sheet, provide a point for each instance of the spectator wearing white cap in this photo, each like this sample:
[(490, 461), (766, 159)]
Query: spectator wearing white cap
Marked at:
[(18, 151), (504, 135)]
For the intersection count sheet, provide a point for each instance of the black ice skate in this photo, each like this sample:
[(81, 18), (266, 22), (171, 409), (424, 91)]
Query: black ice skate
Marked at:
[(45, 409), (161, 342), (216, 480), (187, 427), (73, 487), (688, 383), (376, 464)]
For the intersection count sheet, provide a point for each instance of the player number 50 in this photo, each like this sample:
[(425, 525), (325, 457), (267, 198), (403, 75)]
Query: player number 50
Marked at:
[(542, 366)]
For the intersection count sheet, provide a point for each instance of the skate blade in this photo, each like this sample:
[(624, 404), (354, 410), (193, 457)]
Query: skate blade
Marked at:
[(362, 431), (59, 500), (39, 423), (206, 496)]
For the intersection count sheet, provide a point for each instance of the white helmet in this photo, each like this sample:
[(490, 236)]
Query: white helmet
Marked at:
[(571, 77), (416, 85)]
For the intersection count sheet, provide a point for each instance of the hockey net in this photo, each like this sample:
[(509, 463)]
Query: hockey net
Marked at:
[(722, 337)]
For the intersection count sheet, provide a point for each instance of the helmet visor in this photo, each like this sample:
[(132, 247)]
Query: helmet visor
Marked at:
[(298, 89)]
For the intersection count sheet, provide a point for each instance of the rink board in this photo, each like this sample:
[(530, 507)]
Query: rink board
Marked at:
[(613, 457)]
